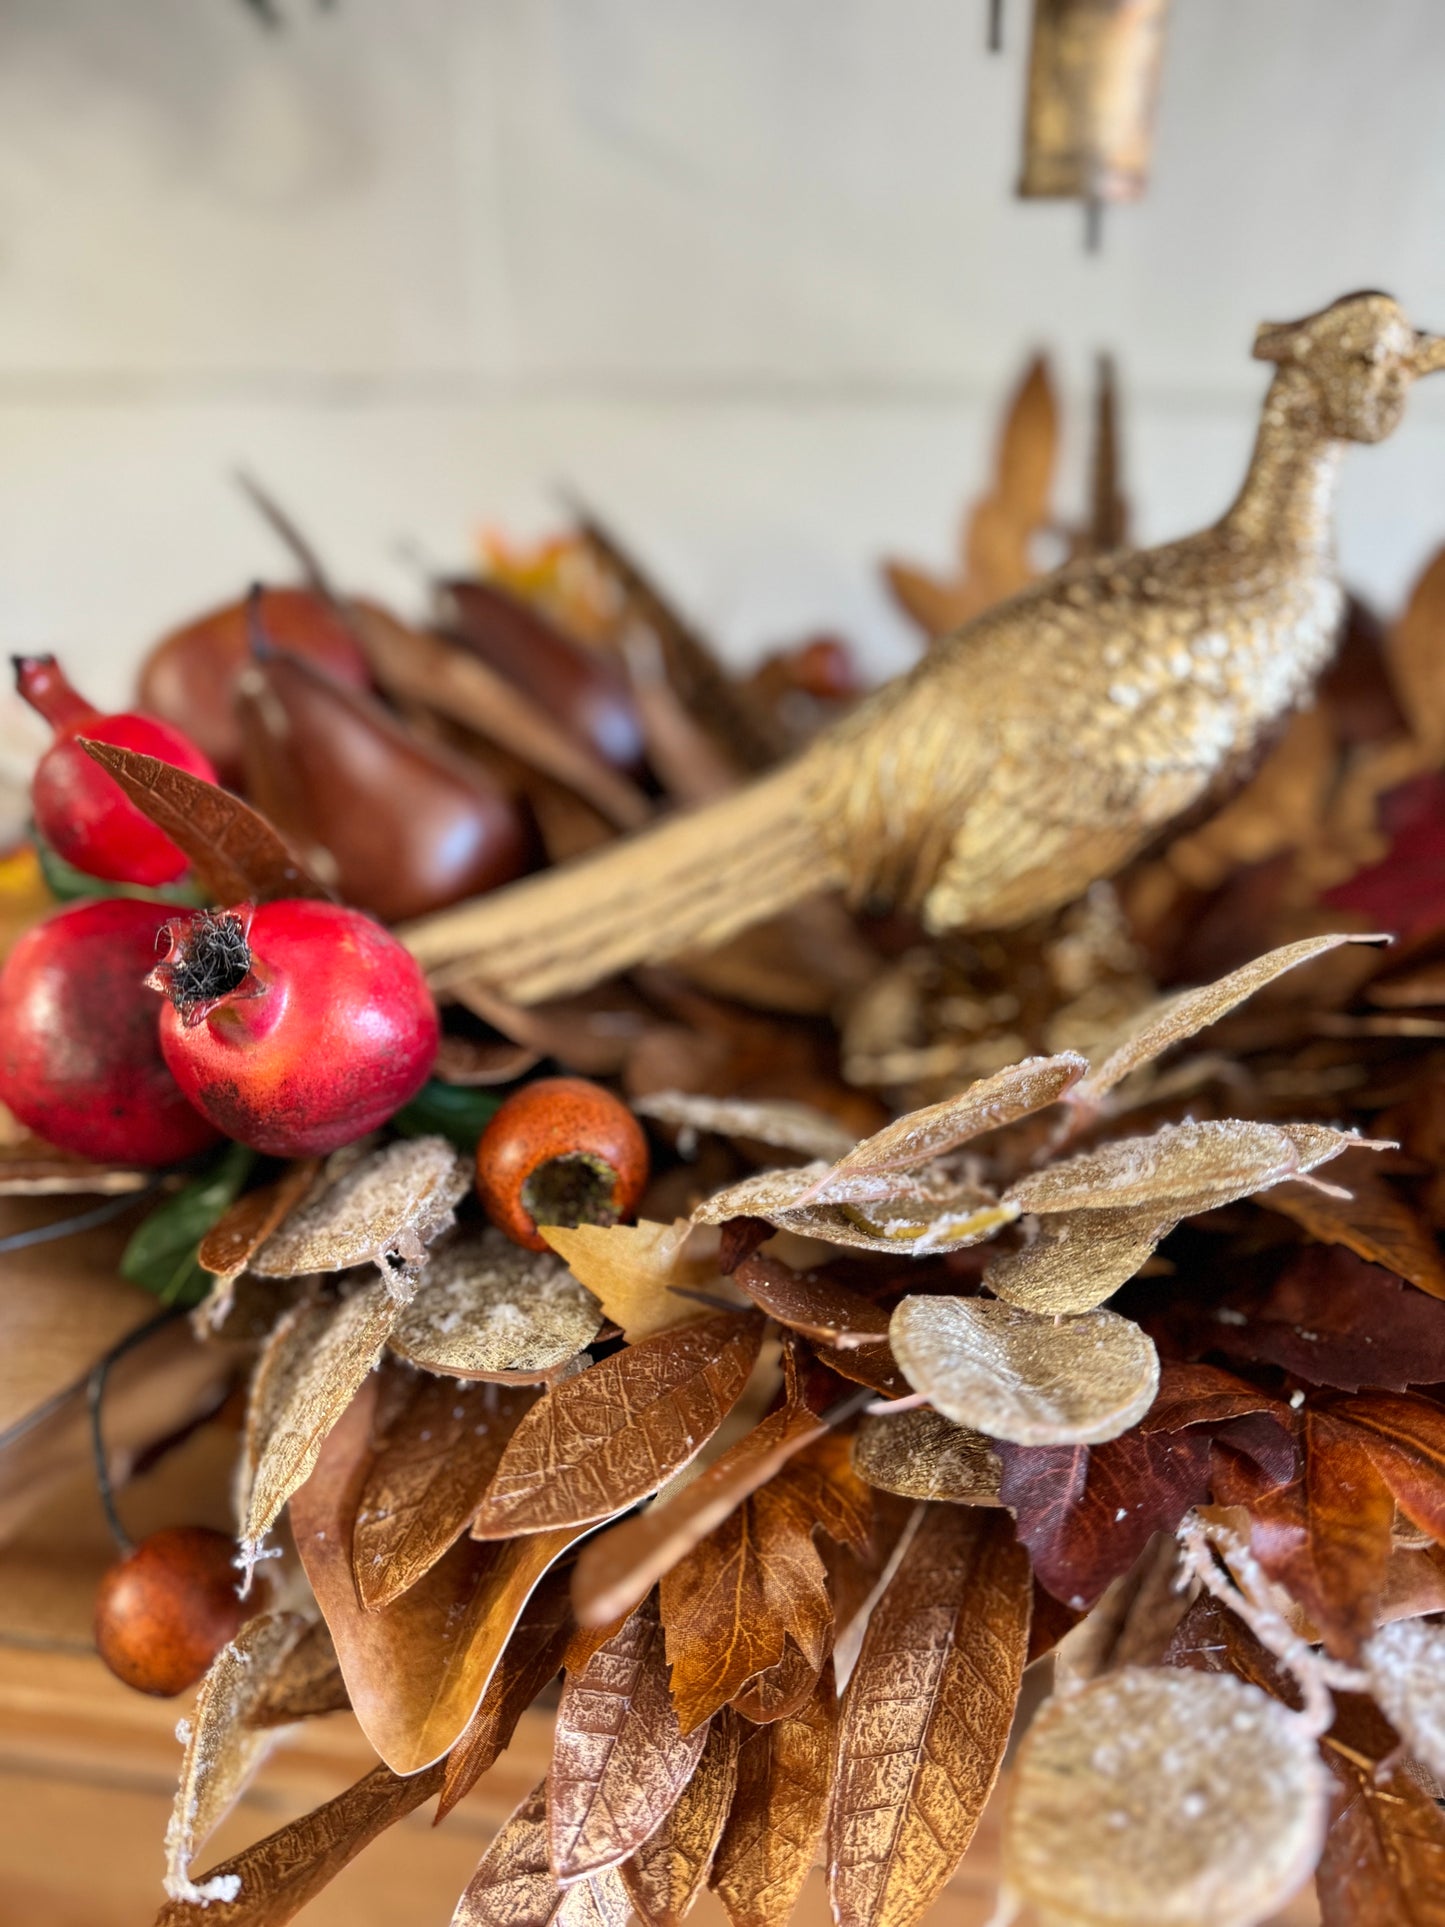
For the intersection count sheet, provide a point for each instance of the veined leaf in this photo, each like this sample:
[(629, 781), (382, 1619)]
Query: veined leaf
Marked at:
[(784, 1771)]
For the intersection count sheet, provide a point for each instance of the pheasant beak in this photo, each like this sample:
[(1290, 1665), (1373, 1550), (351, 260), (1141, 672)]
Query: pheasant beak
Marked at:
[(1429, 354)]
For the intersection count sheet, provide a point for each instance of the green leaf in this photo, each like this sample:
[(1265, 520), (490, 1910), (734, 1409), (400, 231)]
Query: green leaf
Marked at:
[(69, 885), (161, 1255), (452, 1111)]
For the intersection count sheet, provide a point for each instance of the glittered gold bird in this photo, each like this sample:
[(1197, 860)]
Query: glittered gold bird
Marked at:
[(1038, 748)]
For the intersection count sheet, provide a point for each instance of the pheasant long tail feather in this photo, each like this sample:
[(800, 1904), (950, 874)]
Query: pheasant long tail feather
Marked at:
[(690, 883)]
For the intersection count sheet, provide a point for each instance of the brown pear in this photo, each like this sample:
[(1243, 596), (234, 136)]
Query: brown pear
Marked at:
[(397, 826)]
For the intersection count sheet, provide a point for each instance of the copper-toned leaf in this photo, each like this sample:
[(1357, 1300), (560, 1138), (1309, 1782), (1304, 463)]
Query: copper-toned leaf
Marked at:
[(922, 1455), (637, 1272), (597, 1443), (1405, 1435), (514, 1886), (1180, 1169), (223, 1747), (1078, 1258), (241, 1230), (780, 1690), (927, 1716), (1165, 1795), (417, 1669), (668, 1872), (619, 1758), (426, 1479), (305, 1683), (788, 1125), (307, 1376), (1374, 1221), (385, 1209), (619, 1567), (487, 1308), (810, 1302), (1015, 1375), (1191, 1394), (1187, 1012), (1413, 652), (1384, 1853), (784, 1771), (274, 1879), (1087, 1512), (234, 851)]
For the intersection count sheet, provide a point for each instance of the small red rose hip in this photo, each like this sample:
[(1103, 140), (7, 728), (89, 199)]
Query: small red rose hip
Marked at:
[(83, 814), (560, 1151), (294, 1026), (80, 1058), (165, 1610)]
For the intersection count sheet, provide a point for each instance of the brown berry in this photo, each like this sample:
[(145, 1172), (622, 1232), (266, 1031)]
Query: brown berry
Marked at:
[(164, 1611), (560, 1151)]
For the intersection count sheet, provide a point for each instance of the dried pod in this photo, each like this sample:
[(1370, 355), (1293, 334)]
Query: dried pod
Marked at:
[(400, 827)]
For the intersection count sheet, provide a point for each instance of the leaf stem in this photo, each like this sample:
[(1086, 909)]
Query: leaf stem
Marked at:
[(95, 1398)]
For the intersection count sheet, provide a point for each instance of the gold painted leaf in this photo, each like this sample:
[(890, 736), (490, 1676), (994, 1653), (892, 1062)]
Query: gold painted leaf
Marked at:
[(922, 1214), (486, 1308), (426, 1479), (778, 1121), (1164, 1795), (1078, 1259), (619, 1758), (922, 1455), (596, 1444), (416, 1670), (632, 1269), (1021, 1377), (668, 1872), (780, 1691), (223, 1748), (926, 1716), (514, 1886), (384, 1210), (784, 1771), (241, 1230)]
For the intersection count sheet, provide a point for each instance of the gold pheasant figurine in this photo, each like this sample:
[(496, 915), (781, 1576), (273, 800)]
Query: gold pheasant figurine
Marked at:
[(1039, 747)]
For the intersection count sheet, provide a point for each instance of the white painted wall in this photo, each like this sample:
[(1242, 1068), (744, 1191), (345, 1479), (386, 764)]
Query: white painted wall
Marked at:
[(748, 272)]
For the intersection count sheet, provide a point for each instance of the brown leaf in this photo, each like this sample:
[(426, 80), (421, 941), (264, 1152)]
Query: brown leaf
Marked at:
[(1203, 1395), (597, 1443), (1375, 1222), (618, 1568), (810, 1302), (1218, 1790), (619, 1758), (1017, 1376), (426, 1480), (233, 850), (1413, 654), (305, 1684), (922, 1455), (779, 1691), (784, 1771), (274, 1879), (788, 1125), (633, 1269), (1405, 1435), (669, 1871), (383, 1209), (926, 1717), (513, 1885), (224, 1748), (486, 1308), (416, 1670), (241, 1230), (1384, 1854)]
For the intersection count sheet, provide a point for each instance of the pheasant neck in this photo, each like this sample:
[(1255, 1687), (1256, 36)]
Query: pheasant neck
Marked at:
[(1288, 496)]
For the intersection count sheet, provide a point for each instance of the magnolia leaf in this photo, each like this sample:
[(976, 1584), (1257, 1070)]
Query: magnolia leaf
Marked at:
[(1014, 1375), (926, 1717), (223, 1748), (232, 848), (771, 1120), (426, 1479), (922, 1455), (274, 1879), (487, 1308), (784, 1771), (669, 1871), (594, 1445), (384, 1210), (811, 1303), (636, 1271), (1078, 1259), (1405, 1663), (532, 1659), (416, 1670), (1175, 1019), (619, 1758), (935, 1212), (1182, 1168), (313, 1364), (514, 1886), (241, 1230), (620, 1567), (1374, 1221), (1164, 1795)]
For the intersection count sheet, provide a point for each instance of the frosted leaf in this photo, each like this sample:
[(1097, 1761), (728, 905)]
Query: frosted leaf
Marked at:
[(1186, 1166), (1406, 1667), (384, 1210), (923, 1213), (922, 1455), (1164, 1798), (632, 1270), (223, 1750), (1016, 1376), (766, 1194), (1078, 1259), (487, 1308), (773, 1120)]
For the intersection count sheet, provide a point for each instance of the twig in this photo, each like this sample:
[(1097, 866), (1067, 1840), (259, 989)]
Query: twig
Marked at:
[(99, 1214), (94, 1398)]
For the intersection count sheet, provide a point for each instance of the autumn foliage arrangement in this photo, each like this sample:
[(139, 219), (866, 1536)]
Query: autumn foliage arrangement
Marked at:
[(814, 1351)]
